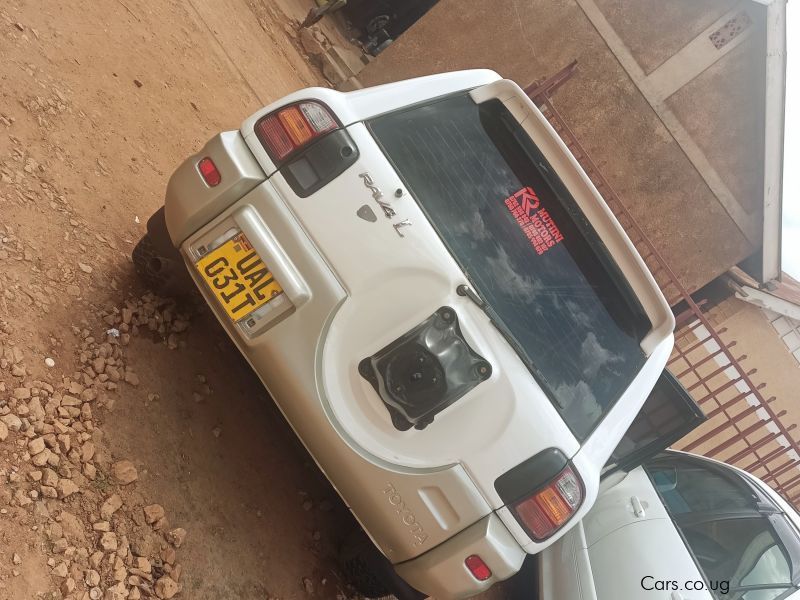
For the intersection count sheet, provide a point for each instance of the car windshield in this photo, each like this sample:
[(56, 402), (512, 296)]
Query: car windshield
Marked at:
[(548, 282)]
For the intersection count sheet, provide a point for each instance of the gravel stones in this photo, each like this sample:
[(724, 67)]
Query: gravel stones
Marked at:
[(36, 445), (110, 506), (87, 452), (12, 421), (153, 513), (102, 549), (143, 565), (66, 487), (60, 570), (22, 393), (176, 536), (131, 378), (108, 541), (91, 578), (49, 478), (102, 526), (42, 458), (166, 587), (125, 472), (72, 528)]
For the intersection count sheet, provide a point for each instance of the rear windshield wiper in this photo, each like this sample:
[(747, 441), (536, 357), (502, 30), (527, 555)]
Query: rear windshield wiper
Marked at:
[(465, 290)]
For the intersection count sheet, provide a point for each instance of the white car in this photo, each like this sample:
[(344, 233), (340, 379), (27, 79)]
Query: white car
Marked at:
[(679, 527), (439, 301)]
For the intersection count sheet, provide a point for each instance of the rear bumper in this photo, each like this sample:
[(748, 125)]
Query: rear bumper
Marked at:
[(441, 572)]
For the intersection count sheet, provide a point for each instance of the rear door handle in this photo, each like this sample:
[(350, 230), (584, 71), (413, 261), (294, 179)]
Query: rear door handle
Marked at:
[(638, 509)]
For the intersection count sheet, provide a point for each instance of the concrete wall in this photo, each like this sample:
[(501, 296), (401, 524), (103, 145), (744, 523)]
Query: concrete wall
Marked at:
[(628, 139), (654, 30)]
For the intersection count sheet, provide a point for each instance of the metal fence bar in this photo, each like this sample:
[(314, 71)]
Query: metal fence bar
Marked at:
[(729, 404), (709, 357), (771, 437), (783, 468), (774, 454), (741, 436)]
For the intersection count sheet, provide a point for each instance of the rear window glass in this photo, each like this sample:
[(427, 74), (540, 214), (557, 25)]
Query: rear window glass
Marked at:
[(549, 283)]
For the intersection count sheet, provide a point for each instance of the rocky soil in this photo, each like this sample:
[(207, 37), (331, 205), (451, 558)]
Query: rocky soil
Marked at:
[(121, 471), (102, 537)]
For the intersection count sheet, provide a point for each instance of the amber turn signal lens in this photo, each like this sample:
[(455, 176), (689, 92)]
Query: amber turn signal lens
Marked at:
[(546, 510)]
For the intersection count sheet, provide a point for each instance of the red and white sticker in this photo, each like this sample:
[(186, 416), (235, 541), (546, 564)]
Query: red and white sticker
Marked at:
[(534, 220)]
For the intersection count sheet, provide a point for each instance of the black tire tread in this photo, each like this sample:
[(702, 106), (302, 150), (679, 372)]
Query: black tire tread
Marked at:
[(362, 577), (371, 573), (144, 256)]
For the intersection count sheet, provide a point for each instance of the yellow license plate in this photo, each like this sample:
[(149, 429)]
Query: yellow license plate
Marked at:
[(238, 277)]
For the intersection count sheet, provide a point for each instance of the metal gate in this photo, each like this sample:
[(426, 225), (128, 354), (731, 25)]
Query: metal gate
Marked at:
[(742, 428)]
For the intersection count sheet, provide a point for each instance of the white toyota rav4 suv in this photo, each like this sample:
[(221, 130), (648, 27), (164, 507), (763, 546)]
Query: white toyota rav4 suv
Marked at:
[(438, 300)]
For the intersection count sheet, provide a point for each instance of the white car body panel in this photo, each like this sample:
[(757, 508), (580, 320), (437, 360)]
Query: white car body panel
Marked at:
[(566, 571), (443, 500), (632, 500), (623, 568)]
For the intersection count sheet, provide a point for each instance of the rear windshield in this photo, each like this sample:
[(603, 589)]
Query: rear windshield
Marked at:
[(547, 280)]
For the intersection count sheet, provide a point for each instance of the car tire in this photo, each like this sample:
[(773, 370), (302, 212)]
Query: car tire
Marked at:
[(158, 264), (370, 573), (377, 23), (525, 584), (358, 566), (148, 265)]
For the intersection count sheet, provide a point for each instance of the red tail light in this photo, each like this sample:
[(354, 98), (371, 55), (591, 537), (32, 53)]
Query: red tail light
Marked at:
[(293, 127), (209, 171), (544, 512), (478, 568)]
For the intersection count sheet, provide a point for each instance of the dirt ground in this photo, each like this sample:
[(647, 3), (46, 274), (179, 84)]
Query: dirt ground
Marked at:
[(99, 101)]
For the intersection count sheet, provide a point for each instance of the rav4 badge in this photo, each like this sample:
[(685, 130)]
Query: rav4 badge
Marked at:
[(387, 209)]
